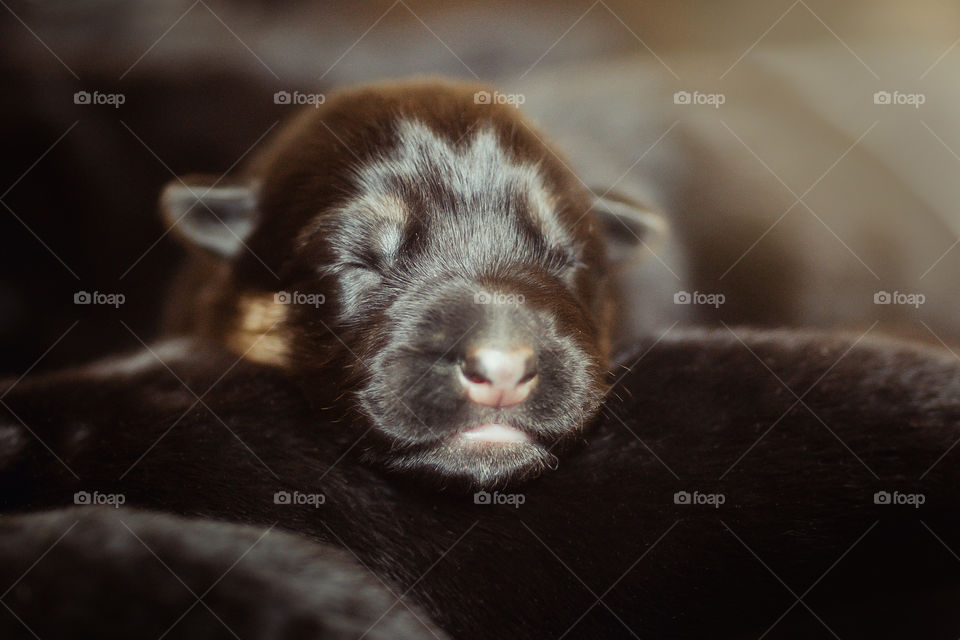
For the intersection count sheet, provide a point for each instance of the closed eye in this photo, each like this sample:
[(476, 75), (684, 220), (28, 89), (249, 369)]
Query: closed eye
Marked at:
[(357, 265), (360, 262)]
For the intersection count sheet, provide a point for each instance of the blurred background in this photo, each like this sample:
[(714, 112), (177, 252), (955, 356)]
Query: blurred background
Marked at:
[(805, 151)]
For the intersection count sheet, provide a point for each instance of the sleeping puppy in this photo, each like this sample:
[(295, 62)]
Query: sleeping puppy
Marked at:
[(708, 501), (101, 572), (421, 258)]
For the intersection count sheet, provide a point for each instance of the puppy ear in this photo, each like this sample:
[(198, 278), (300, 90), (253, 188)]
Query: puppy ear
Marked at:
[(648, 267), (628, 227), (215, 216)]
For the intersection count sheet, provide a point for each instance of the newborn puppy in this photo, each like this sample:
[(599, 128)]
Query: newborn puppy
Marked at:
[(99, 572), (420, 256)]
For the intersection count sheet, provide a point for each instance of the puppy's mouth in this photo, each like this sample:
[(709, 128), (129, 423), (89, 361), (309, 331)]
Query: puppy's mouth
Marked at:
[(493, 433), (481, 454)]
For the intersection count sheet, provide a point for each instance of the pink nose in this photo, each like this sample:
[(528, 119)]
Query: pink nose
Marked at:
[(499, 377)]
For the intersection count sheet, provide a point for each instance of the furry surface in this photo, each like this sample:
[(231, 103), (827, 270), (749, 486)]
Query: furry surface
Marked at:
[(600, 547), (100, 572)]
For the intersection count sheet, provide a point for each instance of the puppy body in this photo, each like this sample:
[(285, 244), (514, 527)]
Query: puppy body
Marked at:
[(603, 546), (100, 572), (728, 180)]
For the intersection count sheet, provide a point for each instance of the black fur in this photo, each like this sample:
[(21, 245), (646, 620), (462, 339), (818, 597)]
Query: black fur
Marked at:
[(99, 572), (699, 412)]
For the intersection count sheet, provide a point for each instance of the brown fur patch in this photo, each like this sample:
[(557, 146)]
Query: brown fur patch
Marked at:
[(258, 335)]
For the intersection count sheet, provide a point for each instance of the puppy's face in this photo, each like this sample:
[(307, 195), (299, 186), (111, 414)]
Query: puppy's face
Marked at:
[(439, 269), (459, 276)]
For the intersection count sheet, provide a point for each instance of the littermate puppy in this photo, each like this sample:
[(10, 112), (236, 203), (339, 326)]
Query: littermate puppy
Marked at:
[(709, 501), (420, 257), (103, 572)]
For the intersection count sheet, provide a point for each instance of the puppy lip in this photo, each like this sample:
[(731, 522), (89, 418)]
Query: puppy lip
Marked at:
[(495, 432)]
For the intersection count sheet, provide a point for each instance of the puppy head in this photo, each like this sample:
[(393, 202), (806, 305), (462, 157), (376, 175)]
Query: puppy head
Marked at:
[(428, 259)]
